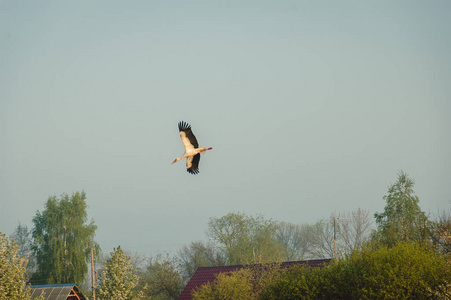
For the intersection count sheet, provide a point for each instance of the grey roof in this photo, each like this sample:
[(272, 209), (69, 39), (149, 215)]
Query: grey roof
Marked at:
[(67, 291)]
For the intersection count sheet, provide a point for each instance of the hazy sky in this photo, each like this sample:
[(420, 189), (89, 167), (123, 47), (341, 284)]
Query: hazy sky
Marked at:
[(311, 107)]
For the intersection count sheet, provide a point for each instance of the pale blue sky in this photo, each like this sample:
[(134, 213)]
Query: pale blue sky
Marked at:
[(311, 107)]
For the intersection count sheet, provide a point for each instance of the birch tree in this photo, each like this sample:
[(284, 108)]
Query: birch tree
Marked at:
[(62, 239), (402, 218)]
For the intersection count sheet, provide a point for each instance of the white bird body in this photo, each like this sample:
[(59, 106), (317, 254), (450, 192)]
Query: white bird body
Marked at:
[(192, 149)]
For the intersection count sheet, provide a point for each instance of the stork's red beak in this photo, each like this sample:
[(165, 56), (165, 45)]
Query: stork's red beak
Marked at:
[(175, 160)]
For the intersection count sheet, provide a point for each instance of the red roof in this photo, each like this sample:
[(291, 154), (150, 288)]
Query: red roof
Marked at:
[(208, 274)]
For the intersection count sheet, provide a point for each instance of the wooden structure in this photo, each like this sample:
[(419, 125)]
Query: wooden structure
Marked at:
[(67, 291)]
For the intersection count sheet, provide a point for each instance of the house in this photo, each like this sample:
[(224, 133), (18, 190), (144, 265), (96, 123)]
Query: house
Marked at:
[(67, 291), (203, 275)]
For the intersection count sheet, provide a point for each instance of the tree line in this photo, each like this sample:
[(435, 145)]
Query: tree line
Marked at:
[(59, 245)]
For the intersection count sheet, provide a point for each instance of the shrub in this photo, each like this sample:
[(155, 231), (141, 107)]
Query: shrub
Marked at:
[(243, 284), (406, 271)]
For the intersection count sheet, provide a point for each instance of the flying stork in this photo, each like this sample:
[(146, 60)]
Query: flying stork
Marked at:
[(192, 149)]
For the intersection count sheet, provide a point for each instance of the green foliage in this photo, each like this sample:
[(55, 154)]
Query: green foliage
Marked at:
[(237, 285), (61, 240), (12, 271), (246, 240), (405, 271), (119, 278), (245, 283), (402, 219), (297, 283), (162, 278)]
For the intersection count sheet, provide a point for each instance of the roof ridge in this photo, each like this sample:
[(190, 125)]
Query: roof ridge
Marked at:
[(53, 285)]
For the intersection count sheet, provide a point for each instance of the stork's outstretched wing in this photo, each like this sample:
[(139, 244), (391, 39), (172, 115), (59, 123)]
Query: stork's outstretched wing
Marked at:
[(192, 164), (187, 136)]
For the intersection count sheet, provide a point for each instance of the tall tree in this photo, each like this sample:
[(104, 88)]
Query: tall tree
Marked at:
[(22, 237), (198, 254), (162, 279), (118, 279), (353, 229), (294, 239), (321, 238), (62, 239), (246, 240), (440, 233), (402, 218)]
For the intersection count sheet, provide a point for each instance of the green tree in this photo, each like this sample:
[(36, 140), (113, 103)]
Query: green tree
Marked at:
[(118, 279), (402, 218), (12, 271), (162, 278), (246, 240), (62, 239)]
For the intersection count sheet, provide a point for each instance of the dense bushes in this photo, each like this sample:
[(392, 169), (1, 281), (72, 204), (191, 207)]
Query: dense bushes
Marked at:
[(406, 271), (246, 283)]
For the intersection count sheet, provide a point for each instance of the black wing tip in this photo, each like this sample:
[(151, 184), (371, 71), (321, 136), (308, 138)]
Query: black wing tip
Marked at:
[(193, 171), (184, 126)]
